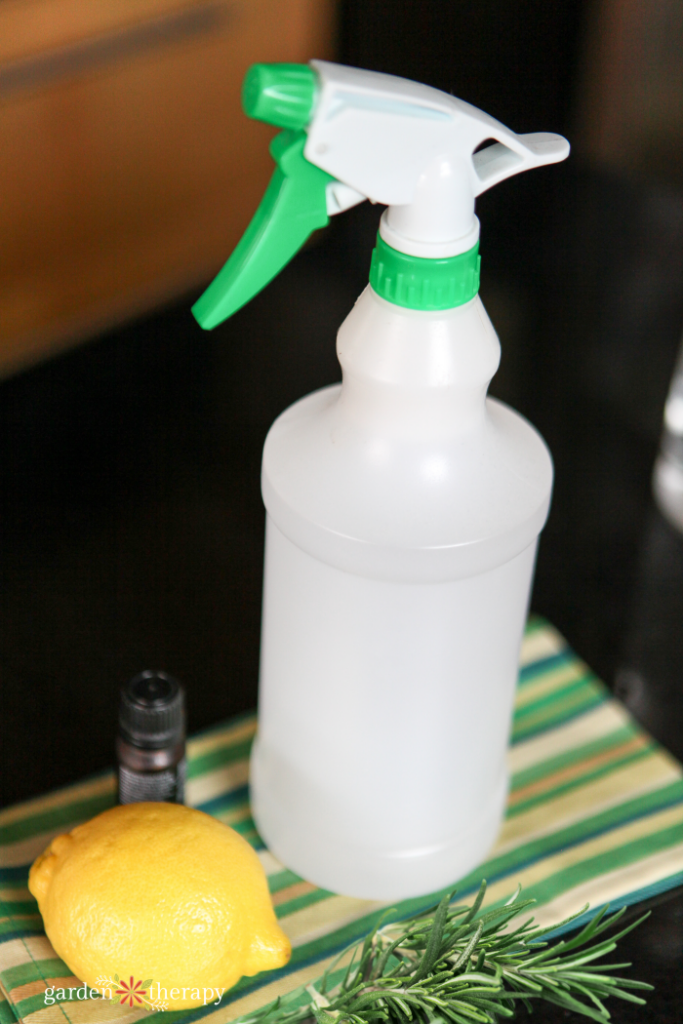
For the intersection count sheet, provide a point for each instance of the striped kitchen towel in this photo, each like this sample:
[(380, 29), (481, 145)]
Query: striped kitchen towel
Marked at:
[(595, 815)]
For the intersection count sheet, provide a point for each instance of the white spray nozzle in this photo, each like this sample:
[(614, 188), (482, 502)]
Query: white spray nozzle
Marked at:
[(414, 149)]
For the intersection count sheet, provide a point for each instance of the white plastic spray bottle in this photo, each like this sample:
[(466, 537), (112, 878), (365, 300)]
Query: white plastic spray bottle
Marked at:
[(404, 506)]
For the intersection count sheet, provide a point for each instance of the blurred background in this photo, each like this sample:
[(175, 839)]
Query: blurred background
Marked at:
[(130, 440)]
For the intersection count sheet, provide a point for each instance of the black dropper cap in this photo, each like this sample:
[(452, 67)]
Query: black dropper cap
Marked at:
[(152, 711)]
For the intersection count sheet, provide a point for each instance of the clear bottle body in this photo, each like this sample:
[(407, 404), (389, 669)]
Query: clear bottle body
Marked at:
[(403, 514), (379, 769)]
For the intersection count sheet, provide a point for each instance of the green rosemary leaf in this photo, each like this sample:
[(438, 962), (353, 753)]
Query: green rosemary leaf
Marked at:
[(471, 1011), (474, 978), (469, 948), (435, 935), (593, 928), (497, 919), (457, 965), (567, 1002), (322, 1016), (594, 998), (474, 909), (628, 997), (543, 933), (577, 961), (405, 1009), (384, 958), (521, 979), (457, 1018), (346, 982), (515, 895), (615, 990), (629, 927)]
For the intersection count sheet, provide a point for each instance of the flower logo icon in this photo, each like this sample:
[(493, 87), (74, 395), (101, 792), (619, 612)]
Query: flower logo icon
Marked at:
[(134, 994), (131, 993)]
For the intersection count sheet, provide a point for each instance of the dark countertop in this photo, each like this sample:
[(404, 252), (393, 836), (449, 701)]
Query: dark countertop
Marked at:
[(131, 515)]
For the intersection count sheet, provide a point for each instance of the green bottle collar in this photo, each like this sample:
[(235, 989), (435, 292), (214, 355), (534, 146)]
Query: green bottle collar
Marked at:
[(418, 283)]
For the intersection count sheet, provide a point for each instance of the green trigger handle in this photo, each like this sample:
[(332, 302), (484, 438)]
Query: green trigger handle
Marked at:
[(293, 207)]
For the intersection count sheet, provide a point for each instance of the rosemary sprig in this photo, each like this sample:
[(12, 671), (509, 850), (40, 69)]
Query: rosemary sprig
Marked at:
[(452, 963)]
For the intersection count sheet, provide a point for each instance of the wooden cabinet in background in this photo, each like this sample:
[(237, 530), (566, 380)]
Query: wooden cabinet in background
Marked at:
[(127, 168)]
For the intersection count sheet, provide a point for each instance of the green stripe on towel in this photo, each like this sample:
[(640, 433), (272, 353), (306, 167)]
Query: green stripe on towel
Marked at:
[(595, 807)]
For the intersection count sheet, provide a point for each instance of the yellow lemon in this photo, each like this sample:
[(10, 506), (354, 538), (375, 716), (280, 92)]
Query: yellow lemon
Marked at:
[(162, 894)]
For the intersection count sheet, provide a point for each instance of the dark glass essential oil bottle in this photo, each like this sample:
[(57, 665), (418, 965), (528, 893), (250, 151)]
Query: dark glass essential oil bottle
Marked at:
[(150, 745)]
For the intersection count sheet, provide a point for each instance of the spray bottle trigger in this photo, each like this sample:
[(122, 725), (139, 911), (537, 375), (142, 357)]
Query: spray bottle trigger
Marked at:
[(293, 207)]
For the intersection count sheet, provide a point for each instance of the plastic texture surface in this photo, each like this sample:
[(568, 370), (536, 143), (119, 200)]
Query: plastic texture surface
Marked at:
[(424, 284), (378, 137), (403, 507), (403, 512), (280, 94), (365, 680), (294, 206), (416, 149)]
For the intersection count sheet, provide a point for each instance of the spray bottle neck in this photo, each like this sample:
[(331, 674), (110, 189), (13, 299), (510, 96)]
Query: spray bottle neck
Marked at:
[(415, 374), (424, 284)]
